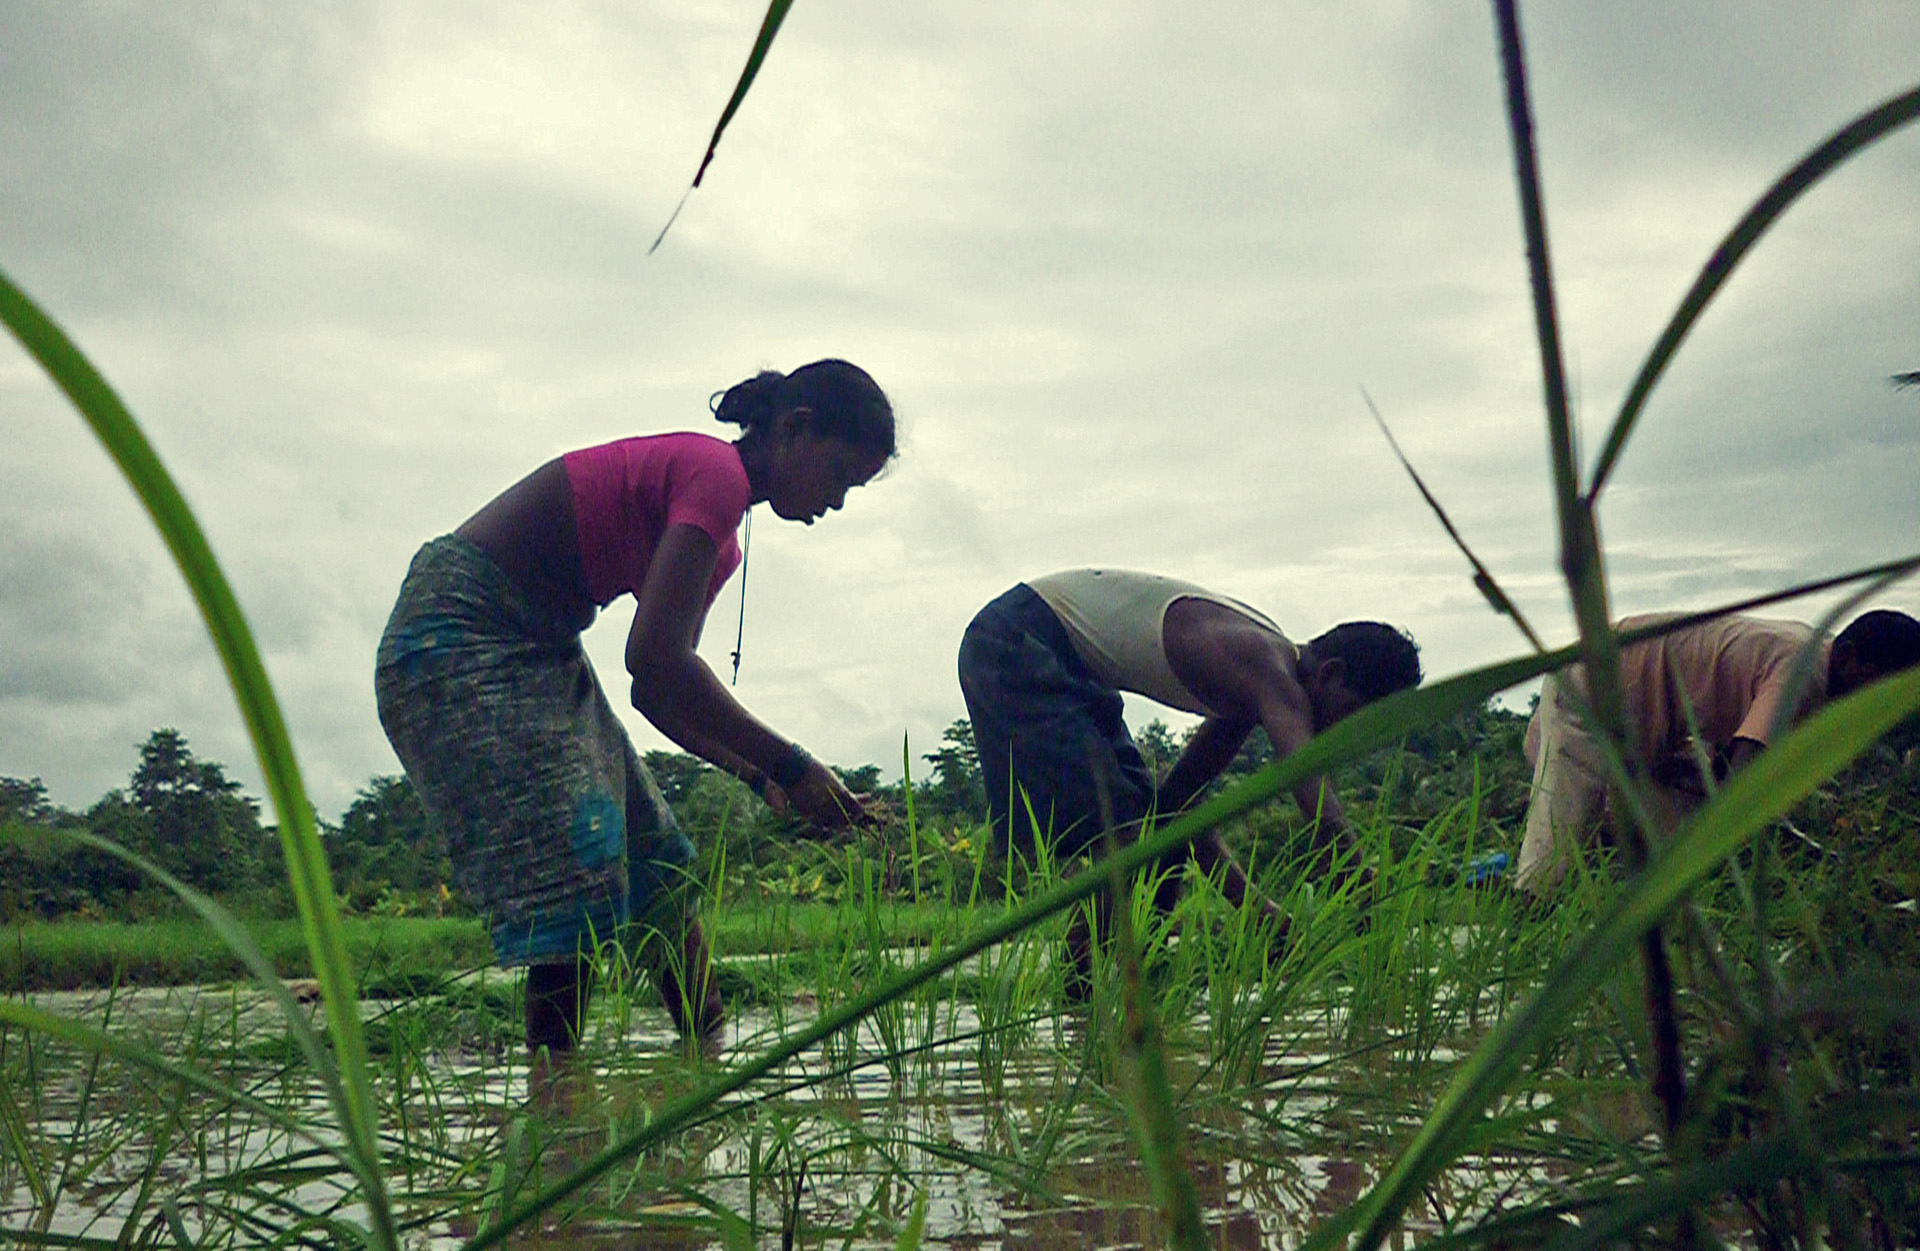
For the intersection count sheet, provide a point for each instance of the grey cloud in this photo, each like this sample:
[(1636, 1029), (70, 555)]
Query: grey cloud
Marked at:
[(133, 125), (1123, 268)]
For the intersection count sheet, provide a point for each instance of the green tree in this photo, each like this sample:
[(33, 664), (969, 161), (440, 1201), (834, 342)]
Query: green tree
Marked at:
[(861, 779), (24, 802), (677, 774), (386, 841), (1158, 747), (956, 789), (42, 873), (105, 880), (32, 872), (203, 829)]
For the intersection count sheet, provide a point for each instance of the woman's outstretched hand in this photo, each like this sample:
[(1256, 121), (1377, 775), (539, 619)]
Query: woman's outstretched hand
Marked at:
[(820, 798)]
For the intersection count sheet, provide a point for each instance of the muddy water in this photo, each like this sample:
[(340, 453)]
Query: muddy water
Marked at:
[(1013, 1140)]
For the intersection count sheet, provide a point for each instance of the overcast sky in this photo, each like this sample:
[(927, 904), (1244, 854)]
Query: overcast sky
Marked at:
[(1123, 267)]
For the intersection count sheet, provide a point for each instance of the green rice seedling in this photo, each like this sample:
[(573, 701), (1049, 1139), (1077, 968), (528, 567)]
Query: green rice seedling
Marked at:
[(1143, 1068), (265, 1126), (875, 957), (25, 1152)]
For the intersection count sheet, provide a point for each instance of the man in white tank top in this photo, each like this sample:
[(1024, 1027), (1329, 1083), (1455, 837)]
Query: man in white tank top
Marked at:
[(1043, 667)]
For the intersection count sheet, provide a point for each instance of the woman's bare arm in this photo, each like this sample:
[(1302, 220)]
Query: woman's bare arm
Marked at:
[(677, 691)]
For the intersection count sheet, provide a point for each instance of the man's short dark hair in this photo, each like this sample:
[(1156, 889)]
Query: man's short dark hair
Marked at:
[(1883, 641), (1379, 659)]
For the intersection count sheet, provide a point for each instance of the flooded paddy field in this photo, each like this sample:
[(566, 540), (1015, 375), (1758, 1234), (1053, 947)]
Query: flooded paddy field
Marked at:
[(983, 1102), (983, 1108)]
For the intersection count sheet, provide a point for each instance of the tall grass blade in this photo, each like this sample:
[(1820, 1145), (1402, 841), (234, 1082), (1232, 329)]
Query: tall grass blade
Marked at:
[(1483, 579), (1533, 222), (20, 1147), (1582, 561), (176, 1226), (306, 860), (1870, 126), (916, 1227), (1143, 1056), (1744, 1168), (1890, 570), (769, 27), (1762, 791)]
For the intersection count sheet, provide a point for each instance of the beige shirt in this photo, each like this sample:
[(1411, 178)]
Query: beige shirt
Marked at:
[(1114, 618), (1734, 672)]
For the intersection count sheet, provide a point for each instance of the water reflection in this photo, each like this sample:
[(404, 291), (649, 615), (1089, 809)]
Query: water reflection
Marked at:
[(1009, 1128)]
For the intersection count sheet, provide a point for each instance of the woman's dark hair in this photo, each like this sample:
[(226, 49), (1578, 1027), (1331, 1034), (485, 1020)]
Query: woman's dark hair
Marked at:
[(845, 402), (1379, 659)]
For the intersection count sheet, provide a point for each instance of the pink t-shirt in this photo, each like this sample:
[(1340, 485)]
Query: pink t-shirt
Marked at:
[(626, 493)]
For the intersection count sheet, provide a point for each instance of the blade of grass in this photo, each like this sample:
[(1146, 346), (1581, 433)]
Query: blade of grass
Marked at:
[(1143, 1051), (769, 27), (1582, 561), (1745, 1167), (1483, 580), (20, 1147), (916, 1226), (1876, 123), (306, 860)]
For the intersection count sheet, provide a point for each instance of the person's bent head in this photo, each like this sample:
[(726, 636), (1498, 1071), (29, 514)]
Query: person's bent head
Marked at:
[(1354, 664), (1876, 645), (809, 436)]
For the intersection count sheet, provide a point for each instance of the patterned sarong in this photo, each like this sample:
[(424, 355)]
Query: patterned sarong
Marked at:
[(555, 828)]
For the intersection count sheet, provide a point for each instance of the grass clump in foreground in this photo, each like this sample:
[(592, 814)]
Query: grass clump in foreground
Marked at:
[(1714, 1038)]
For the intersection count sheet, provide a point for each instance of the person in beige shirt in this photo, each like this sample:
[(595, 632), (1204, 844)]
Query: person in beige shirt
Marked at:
[(1733, 675)]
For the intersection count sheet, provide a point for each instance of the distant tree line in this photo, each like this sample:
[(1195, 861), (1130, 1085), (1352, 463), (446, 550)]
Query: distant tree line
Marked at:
[(188, 817), (185, 815)]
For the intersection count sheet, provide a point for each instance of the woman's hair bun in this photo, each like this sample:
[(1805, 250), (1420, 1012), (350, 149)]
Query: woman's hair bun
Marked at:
[(845, 401), (746, 404)]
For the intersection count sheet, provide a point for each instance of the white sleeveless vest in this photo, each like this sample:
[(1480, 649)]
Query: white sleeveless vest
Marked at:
[(1114, 618)]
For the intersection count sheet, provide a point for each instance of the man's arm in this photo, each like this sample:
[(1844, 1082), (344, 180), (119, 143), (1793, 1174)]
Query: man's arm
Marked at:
[(1245, 671), (1287, 716), (1214, 744), (1741, 751)]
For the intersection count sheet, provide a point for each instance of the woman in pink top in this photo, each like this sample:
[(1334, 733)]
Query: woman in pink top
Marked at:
[(555, 827)]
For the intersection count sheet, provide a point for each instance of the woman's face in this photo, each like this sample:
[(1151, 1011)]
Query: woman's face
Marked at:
[(811, 473)]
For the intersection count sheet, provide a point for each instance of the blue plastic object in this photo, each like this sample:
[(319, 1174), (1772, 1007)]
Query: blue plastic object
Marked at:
[(1484, 868)]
